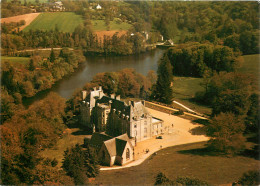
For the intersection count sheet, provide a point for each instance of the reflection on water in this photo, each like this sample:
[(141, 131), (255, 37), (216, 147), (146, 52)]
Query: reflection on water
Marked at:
[(142, 63)]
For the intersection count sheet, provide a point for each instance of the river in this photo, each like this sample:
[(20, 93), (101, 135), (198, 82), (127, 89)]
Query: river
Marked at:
[(142, 63)]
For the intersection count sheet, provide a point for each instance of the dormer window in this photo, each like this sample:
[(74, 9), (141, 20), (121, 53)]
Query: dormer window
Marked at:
[(135, 125)]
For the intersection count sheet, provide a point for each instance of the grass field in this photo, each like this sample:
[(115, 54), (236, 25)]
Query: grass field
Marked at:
[(251, 64), (186, 160), (99, 25), (65, 21), (15, 60), (184, 89)]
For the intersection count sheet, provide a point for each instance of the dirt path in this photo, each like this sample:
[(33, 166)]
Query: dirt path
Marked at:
[(27, 17), (178, 133)]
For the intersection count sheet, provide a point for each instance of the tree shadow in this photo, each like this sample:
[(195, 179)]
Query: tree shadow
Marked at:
[(252, 153), (200, 130), (201, 121), (82, 132), (206, 151)]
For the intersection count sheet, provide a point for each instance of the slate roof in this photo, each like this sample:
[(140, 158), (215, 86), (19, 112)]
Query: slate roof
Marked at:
[(116, 146), (97, 139), (116, 104)]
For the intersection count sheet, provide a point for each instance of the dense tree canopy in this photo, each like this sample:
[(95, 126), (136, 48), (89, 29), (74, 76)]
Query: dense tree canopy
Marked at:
[(194, 59)]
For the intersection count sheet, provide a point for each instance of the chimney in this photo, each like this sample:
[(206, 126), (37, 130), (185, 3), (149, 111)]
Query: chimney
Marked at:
[(118, 97), (100, 88), (112, 96), (94, 88), (133, 103), (84, 94)]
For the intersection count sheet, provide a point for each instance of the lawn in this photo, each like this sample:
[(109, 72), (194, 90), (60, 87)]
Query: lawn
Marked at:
[(184, 160), (65, 21), (99, 25), (184, 89), (71, 136), (250, 64), (15, 60)]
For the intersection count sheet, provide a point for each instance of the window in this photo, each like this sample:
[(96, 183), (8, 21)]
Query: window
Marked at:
[(135, 133), (135, 125), (145, 122), (127, 153), (145, 130)]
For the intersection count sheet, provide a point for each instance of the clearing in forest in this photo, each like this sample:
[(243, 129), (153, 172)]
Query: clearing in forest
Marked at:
[(100, 34), (15, 60), (65, 21), (99, 25), (28, 18)]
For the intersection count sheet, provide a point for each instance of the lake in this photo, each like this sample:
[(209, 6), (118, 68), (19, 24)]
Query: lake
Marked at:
[(142, 63)]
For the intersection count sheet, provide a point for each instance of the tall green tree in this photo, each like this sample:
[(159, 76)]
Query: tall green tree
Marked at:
[(80, 164), (163, 91), (52, 56)]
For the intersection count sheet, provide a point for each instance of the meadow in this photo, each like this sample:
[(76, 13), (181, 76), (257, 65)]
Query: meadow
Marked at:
[(250, 64), (65, 21), (99, 25), (191, 160), (15, 60)]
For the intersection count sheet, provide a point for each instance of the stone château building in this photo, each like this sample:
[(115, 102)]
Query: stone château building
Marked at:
[(110, 114), (112, 150)]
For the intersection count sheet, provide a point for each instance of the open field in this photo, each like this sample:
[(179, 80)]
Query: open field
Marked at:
[(31, 1), (184, 89), (251, 64), (65, 21), (184, 160), (99, 25), (28, 18), (15, 60)]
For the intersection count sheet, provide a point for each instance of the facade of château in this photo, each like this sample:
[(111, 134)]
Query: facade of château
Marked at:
[(110, 114)]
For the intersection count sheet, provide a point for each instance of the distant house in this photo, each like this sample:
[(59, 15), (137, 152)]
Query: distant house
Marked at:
[(169, 42), (56, 6), (98, 7), (118, 150)]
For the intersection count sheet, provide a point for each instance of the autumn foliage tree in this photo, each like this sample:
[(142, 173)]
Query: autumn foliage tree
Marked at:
[(24, 135), (226, 130)]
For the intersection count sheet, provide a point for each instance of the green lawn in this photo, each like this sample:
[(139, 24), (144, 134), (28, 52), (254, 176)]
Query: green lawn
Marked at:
[(250, 64), (99, 25), (65, 21), (185, 160), (31, 1), (15, 60), (185, 88)]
